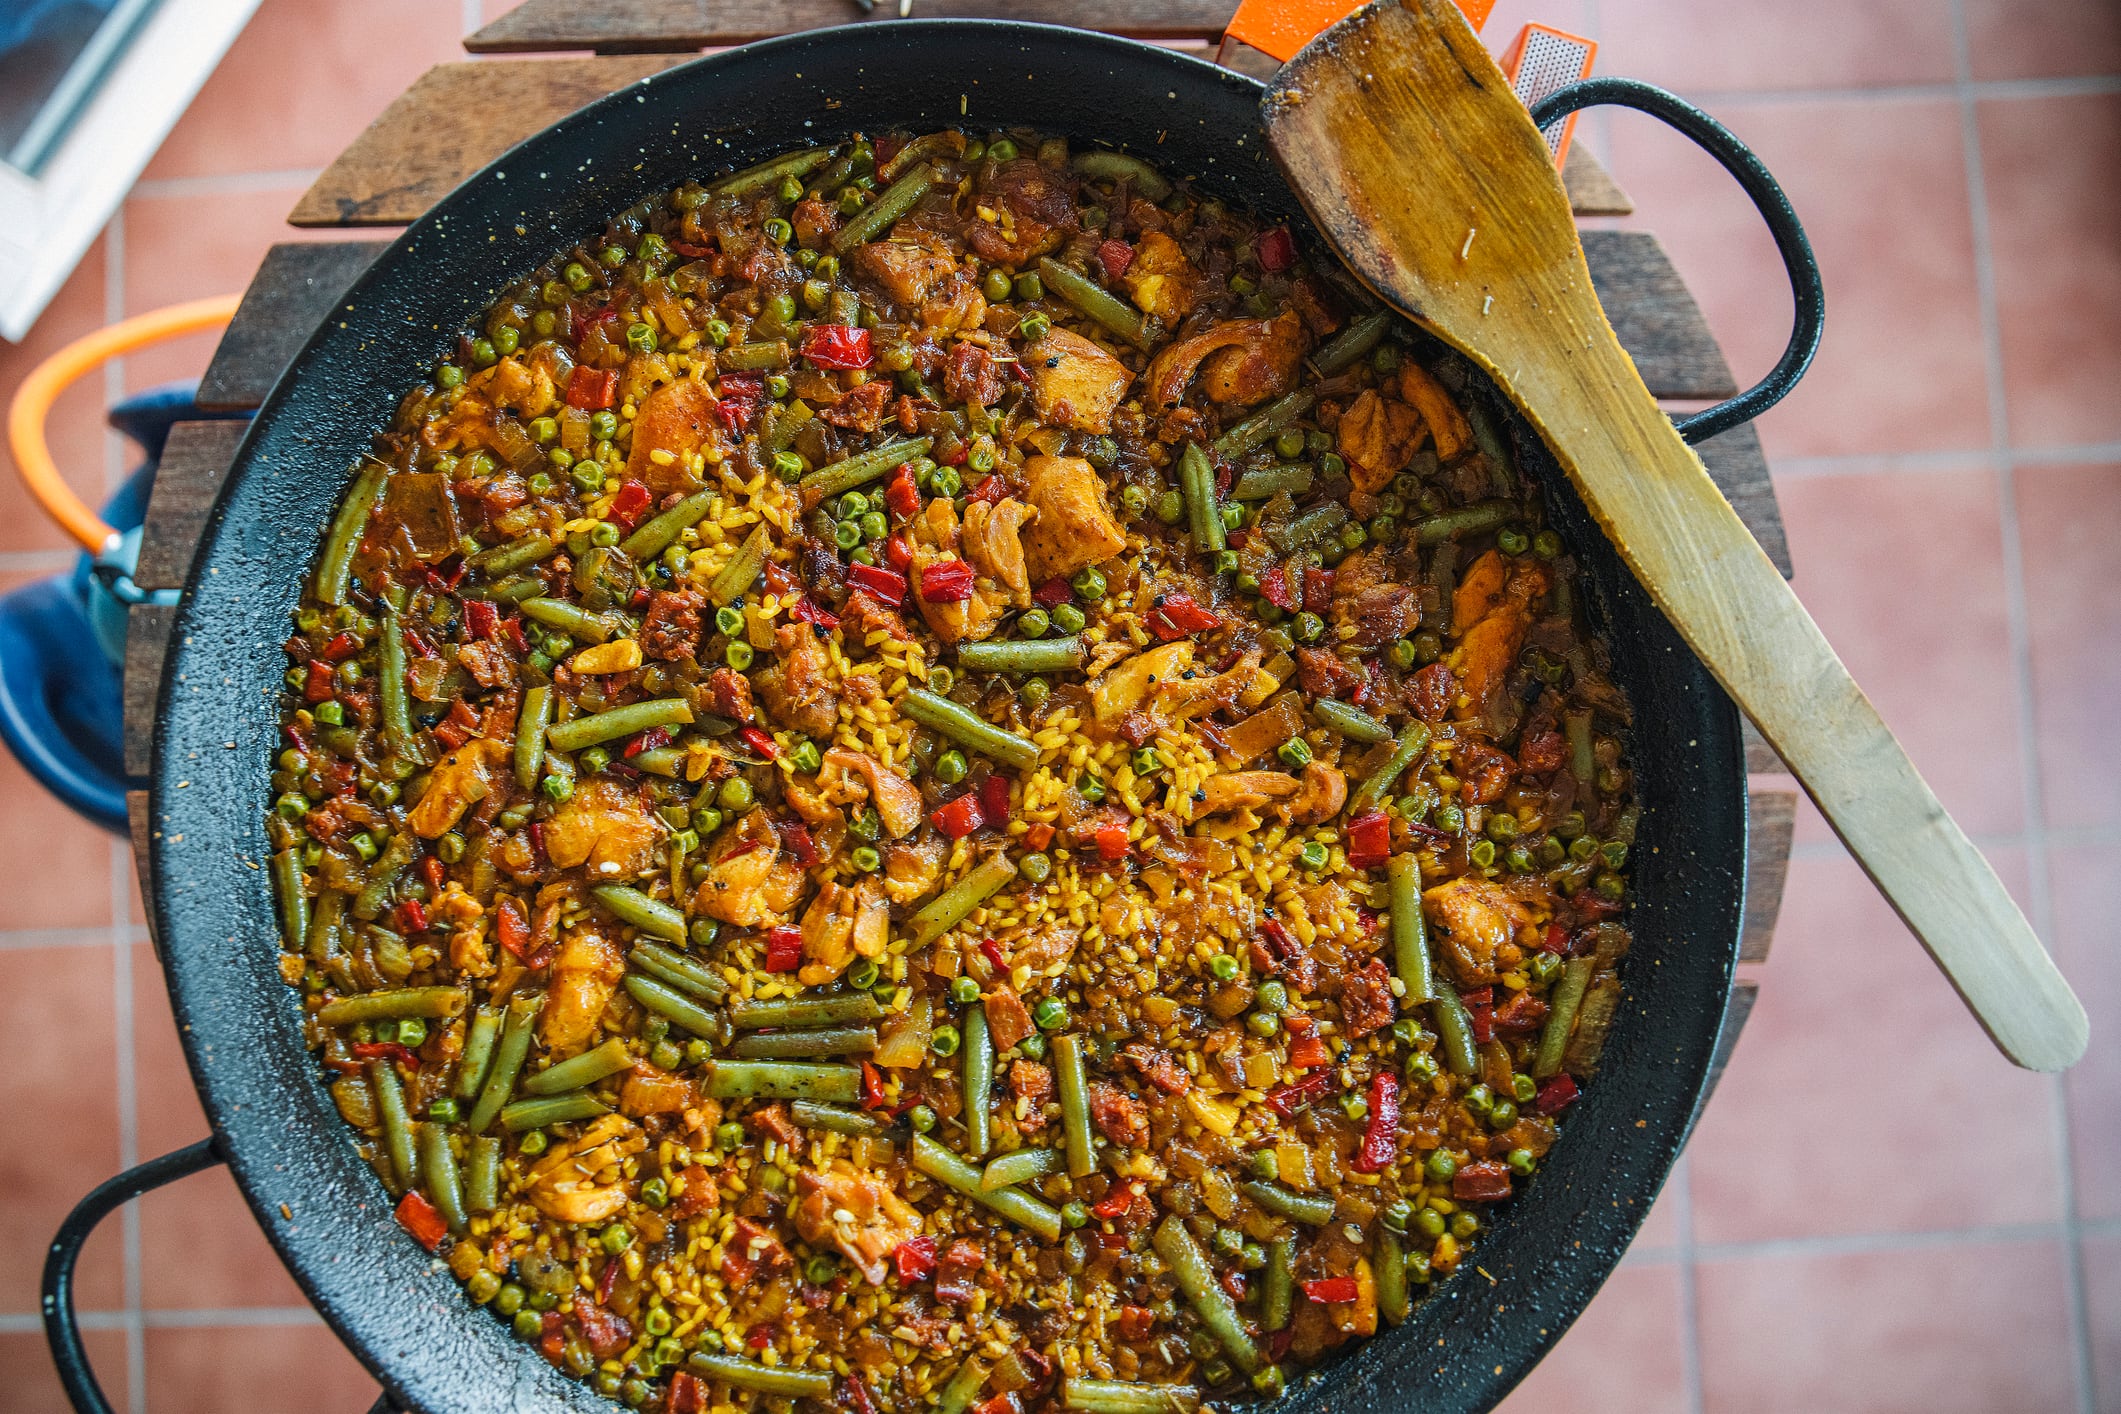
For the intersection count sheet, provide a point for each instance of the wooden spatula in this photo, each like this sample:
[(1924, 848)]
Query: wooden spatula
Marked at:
[(1407, 147)]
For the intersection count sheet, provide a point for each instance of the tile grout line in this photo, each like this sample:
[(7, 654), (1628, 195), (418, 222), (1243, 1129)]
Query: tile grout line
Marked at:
[(1964, 86), (1682, 1187), (1973, 459), (203, 1318), (1869, 1244)]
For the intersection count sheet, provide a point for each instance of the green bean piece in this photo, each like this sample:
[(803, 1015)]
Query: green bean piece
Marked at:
[(954, 904), (1278, 1293), (877, 217), (977, 1085), (1624, 827), (1564, 1004), (1351, 344), (1443, 575), (508, 1059), (439, 1176), (1014, 1204), (1410, 933), (503, 560), (513, 590), (1351, 722), (1182, 1254), (570, 618), (551, 1109), (861, 469), (651, 916), (579, 732), (753, 180), (1126, 1397), (1454, 1032), (1100, 165), (673, 1007), (964, 1387), (680, 972), (1465, 520), (1103, 308), (1264, 425), (1266, 482), (805, 1045), (783, 1080), (1412, 742), (479, 1039), (658, 760), (736, 577), (383, 875), (836, 1119), (1389, 1264), (1583, 762), (842, 169), (783, 426), (1022, 655), (335, 565), (532, 719), (1313, 1209), (757, 357), (1022, 1166), (294, 898), (323, 937), (968, 729), (1196, 481), (766, 1379), (655, 535), (1502, 466), (845, 1009), (1074, 1087), (427, 1003), (1313, 527), (482, 1176), (390, 680), (397, 1124), (577, 1071)]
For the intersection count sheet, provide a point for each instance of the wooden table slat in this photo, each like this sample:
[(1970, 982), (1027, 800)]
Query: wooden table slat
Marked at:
[(1745, 992), (147, 630), (289, 296), (139, 820), (194, 461), (1739, 468), (666, 26), (1770, 817), (1658, 322)]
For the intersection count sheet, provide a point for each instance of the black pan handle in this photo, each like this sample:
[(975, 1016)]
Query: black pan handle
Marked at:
[(1806, 288)]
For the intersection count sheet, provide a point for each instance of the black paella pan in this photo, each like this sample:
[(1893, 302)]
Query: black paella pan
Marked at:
[(274, 1124)]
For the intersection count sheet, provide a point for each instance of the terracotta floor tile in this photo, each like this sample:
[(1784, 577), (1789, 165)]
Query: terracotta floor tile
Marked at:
[(32, 1384), (2085, 882), (2054, 207), (1798, 44), (55, 867), (1660, 1230), (170, 1115), (2010, 39), (58, 1049), (257, 1369), (2102, 1281), (1881, 189), (1792, 1148), (75, 428), (250, 117), (1939, 1330), (1904, 572), (2068, 520), (1623, 1355)]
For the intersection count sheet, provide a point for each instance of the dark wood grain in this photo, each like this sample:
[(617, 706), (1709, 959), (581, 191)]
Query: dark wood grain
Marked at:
[(1771, 815), (139, 820), (667, 26), (1657, 320), (288, 297), (193, 465), (146, 642), (1740, 470), (1760, 758), (1592, 190)]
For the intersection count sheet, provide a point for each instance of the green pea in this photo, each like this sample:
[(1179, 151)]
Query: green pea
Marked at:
[(718, 332), (1290, 444), (1464, 1224), (1441, 1165), (1147, 761), (1512, 541), (729, 1136), (1223, 967), (1068, 619), (862, 976), (940, 679), (734, 794), (1312, 856), (737, 655), (865, 858), (533, 1143), (1482, 854), (1170, 507), (921, 1118), (1309, 627), (640, 338), (1034, 326), (865, 826), (509, 1299), (964, 991), (1272, 996), (995, 286), (874, 526), (779, 231), (1050, 1014), (1133, 500), (944, 1040), (1610, 887), (1546, 544), (1430, 1223), (529, 1325), (1074, 1213), (1090, 789), (1001, 149), (1033, 623), (1090, 583), (729, 619), (666, 1055), (1036, 868), (781, 309), (1332, 467), (1502, 826), (577, 276), (951, 767), (805, 758), (1034, 693)]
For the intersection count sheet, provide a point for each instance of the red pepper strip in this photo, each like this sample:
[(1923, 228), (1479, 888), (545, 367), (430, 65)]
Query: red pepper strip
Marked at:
[(631, 503), (872, 1088), (602, 314), (418, 1217), (1279, 936), (758, 1337), (1053, 593), (994, 799), (687, 1394), (395, 1052), (1306, 1052), (1483, 1018), (691, 251), (1277, 249), (1369, 840), (342, 647), (511, 927), (1556, 1095), (1477, 996), (481, 618), (1180, 613), (1115, 256), (858, 1395), (1286, 1100), (1274, 588), (605, 1282), (784, 948), (1234, 1283), (759, 743), (1485, 1182), (1380, 1137), (897, 553), (1117, 1201), (1556, 940), (418, 643), (902, 494), (592, 389), (318, 686), (887, 585), (946, 582), (1112, 843), (992, 951), (512, 630), (434, 872), (647, 741), (449, 574), (1327, 1290), (742, 394), (838, 346), (797, 841), (807, 610), (959, 818), (990, 491), (914, 1258), (412, 916)]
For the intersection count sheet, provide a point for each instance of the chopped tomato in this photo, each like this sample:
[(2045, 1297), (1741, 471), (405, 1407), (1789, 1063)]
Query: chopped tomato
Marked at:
[(1112, 843), (897, 553), (396, 1052), (1327, 1290), (902, 494), (419, 1217), (758, 743), (1053, 593), (1306, 1052), (511, 927), (481, 618), (887, 585), (1039, 836), (994, 799), (1369, 840), (914, 1258), (1115, 256), (631, 503), (1556, 1095), (1274, 588), (412, 916), (345, 645), (649, 740), (687, 1394), (947, 582), (1286, 1100), (784, 948), (592, 389), (741, 396), (993, 489), (1556, 940), (959, 817), (1380, 1136), (1277, 249), (837, 346), (1117, 1201), (317, 687), (1483, 1015)]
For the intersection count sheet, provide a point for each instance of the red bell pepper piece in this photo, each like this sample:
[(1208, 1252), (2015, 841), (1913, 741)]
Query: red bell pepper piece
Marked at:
[(345, 645), (897, 553), (1112, 843), (759, 743), (631, 503), (994, 799), (1556, 940), (946, 582), (510, 927), (784, 948), (687, 1394), (758, 1337), (412, 916), (872, 1087), (1117, 1201), (419, 1217), (1380, 1136), (434, 872), (512, 630), (1277, 249), (317, 687), (396, 1052), (1327, 1290), (1483, 1018), (1115, 256), (481, 618), (1053, 593), (990, 492), (647, 741), (1286, 1100), (808, 611), (1274, 588), (1369, 840), (741, 396), (1176, 615), (838, 346), (914, 1258), (887, 585), (959, 817), (1004, 1403), (592, 389), (1485, 1182), (1039, 835), (858, 1396), (795, 838), (1556, 1095), (902, 494), (1306, 1052), (992, 951)]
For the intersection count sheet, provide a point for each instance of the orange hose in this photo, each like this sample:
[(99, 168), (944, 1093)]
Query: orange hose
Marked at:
[(34, 399)]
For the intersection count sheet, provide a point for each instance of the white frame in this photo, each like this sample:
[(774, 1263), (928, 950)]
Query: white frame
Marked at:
[(49, 220)]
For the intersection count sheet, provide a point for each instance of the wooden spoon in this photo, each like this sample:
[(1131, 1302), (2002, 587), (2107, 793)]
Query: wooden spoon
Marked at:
[(1417, 162)]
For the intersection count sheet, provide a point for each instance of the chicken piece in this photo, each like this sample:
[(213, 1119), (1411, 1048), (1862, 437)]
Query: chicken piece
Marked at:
[(1370, 596), (858, 1214), (934, 540), (1378, 437), (1366, 1003), (1126, 685), (1478, 917), (1159, 1067), (523, 387), (729, 693), (1324, 791), (1007, 1020), (1446, 423), (584, 975), (1075, 527), (907, 268), (676, 421), (797, 690), (462, 779), (898, 803), (1491, 612), (1264, 366), (1241, 790), (1161, 280), (1032, 202), (840, 924), (1181, 698), (648, 1091), (421, 505), (1032, 1084), (912, 866), (465, 918), (607, 828), (1045, 950), (993, 542), (1119, 1116), (563, 1185), (859, 409), (748, 883), (1074, 382)]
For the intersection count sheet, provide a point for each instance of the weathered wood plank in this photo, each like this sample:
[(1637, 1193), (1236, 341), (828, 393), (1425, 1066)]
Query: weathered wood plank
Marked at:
[(1657, 320), (193, 464), (1592, 190), (146, 642), (1760, 758), (1771, 815), (1744, 993), (668, 26), (288, 297), (1739, 468), (139, 822)]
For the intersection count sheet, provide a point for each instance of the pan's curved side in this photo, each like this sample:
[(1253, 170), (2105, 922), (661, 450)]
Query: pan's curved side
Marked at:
[(324, 1210)]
